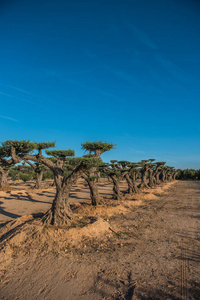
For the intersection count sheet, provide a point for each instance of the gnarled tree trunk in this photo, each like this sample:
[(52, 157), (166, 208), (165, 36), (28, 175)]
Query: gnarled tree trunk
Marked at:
[(158, 177), (116, 189), (170, 177), (163, 176), (143, 184), (94, 193), (60, 213), (151, 179), (132, 187)]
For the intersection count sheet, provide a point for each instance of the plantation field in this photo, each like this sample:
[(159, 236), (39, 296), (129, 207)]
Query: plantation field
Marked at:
[(145, 247)]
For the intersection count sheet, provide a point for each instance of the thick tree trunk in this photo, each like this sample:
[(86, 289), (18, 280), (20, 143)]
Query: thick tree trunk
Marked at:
[(130, 184), (4, 178), (132, 188), (60, 213), (170, 177), (158, 177), (163, 176), (116, 190), (134, 178), (39, 176), (143, 184), (94, 193), (151, 179)]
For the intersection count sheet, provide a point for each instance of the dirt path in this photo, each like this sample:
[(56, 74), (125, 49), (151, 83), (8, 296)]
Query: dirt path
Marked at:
[(149, 252)]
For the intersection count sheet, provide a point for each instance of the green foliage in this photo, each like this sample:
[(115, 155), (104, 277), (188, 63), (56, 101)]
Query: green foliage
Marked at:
[(160, 163), (44, 145), (21, 147), (4, 152), (91, 162), (14, 174), (88, 155), (114, 161), (111, 169), (92, 178), (25, 177), (188, 174), (60, 153), (39, 168), (94, 146), (48, 174)]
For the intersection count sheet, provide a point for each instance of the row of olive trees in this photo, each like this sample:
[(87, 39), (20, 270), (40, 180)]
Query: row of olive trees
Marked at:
[(67, 169)]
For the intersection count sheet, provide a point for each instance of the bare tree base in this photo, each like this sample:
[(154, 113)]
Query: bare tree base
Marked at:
[(54, 219)]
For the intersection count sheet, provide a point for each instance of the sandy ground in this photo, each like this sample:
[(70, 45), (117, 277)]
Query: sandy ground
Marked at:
[(22, 199), (146, 247)]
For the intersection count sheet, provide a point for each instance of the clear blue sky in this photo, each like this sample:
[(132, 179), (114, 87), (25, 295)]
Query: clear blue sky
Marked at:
[(121, 71)]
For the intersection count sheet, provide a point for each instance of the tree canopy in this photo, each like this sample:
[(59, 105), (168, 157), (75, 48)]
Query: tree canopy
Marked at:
[(95, 146)]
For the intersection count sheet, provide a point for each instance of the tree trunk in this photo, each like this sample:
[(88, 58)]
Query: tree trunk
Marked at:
[(151, 181), (39, 176), (134, 178), (60, 213), (143, 184), (158, 177), (94, 193), (4, 179), (170, 177), (116, 190), (163, 176), (132, 188), (130, 184)]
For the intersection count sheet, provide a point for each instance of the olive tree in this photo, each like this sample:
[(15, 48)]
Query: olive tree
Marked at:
[(116, 174), (157, 171), (144, 168), (95, 149), (60, 213), (39, 170), (6, 161), (130, 176)]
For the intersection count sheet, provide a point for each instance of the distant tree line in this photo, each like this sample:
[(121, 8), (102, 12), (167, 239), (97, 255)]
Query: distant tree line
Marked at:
[(26, 173), (188, 174)]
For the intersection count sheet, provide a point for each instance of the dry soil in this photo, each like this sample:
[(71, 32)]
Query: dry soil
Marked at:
[(146, 247)]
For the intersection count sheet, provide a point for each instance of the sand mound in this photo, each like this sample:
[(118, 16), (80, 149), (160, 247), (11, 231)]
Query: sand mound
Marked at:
[(27, 235), (102, 210), (149, 196), (132, 204)]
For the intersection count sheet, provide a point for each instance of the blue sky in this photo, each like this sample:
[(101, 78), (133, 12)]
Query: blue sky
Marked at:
[(123, 71)]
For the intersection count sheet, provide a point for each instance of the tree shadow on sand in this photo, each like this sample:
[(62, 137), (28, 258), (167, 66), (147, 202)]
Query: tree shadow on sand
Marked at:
[(7, 214), (8, 235)]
